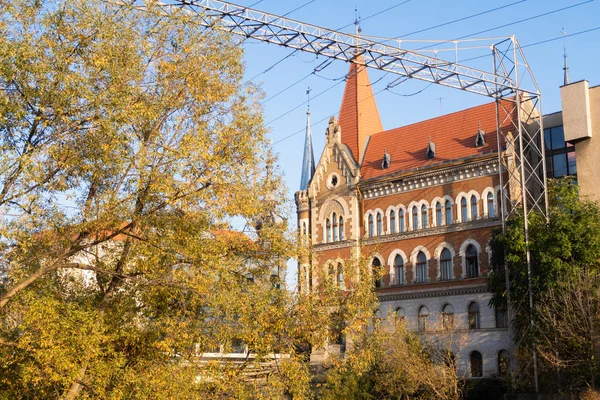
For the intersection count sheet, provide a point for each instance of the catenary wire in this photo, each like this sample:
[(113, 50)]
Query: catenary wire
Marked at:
[(377, 13), (461, 19)]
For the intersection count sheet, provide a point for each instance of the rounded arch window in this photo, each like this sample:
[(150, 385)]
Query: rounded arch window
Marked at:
[(376, 266), (424, 218), (371, 232), (473, 315), (463, 210), (328, 229), (490, 205), (379, 225), (400, 314), (399, 269), (448, 316), (446, 264), (476, 364), (340, 276), (421, 267), (473, 208), (472, 261), (503, 363), (438, 214), (422, 318), (448, 212), (335, 227), (341, 228), (393, 221), (415, 218), (401, 220)]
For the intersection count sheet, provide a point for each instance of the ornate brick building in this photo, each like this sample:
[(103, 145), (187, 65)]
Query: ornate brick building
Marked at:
[(420, 202)]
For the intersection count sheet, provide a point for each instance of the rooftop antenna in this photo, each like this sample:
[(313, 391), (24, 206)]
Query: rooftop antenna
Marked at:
[(565, 66)]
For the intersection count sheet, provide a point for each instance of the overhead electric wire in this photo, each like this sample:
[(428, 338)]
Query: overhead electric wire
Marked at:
[(510, 24), (461, 19)]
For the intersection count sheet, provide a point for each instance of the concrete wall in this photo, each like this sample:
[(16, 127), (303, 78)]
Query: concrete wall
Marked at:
[(581, 116)]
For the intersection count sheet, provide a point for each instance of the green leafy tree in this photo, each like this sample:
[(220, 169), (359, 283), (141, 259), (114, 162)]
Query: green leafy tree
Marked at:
[(562, 249)]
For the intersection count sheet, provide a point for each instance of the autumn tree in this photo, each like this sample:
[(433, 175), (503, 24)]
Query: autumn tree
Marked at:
[(128, 142), (562, 251)]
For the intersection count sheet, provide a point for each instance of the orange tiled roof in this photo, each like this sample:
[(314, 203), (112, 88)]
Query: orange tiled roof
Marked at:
[(359, 117), (453, 134)]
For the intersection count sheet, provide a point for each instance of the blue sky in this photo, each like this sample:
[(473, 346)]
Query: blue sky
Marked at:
[(401, 19)]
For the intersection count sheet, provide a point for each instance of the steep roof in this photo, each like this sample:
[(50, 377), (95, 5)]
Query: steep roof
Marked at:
[(359, 117), (453, 134)]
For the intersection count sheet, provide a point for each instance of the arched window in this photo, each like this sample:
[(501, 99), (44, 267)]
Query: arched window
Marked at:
[(448, 212), (371, 225), (422, 318), (463, 210), (424, 216), (473, 208), (501, 318), (401, 220), (438, 214), (503, 363), (421, 267), (331, 274), (446, 264), (490, 205), (472, 262), (335, 227), (377, 278), (400, 314), (476, 364), (340, 276), (415, 217), (473, 316), (341, 228), (448, 317), (328, 227), (379, 225), (393, 221), (399, 269)]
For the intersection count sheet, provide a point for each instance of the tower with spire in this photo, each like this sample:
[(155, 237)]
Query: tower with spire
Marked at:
[(308, 160)]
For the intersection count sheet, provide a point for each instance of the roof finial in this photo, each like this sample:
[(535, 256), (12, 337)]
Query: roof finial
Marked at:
[(357, 21), (308, 101), (565, 66)]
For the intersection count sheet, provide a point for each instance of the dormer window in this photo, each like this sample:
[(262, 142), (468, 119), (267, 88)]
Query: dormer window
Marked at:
[(430, 153), (387, 160), (480, 138)]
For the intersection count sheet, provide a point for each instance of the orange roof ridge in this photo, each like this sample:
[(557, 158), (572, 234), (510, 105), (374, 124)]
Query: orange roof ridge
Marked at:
[(359, 116)]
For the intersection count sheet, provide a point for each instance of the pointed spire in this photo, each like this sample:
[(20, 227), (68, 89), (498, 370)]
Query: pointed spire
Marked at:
[(308, 161), (359, 117)]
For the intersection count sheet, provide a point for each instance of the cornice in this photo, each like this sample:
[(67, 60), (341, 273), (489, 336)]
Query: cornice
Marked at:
[(433, 293), (334, 245), (438, 230), (413, 180)]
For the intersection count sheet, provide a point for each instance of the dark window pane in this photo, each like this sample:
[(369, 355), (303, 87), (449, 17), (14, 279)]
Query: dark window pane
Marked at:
[(547, 142), (560, 165), (558, 138), (572, 163), (549, 170)]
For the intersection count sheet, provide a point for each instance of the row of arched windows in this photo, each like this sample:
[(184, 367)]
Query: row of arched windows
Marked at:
[(421, 265), (417, 215), (447, 320), (334, 228)]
